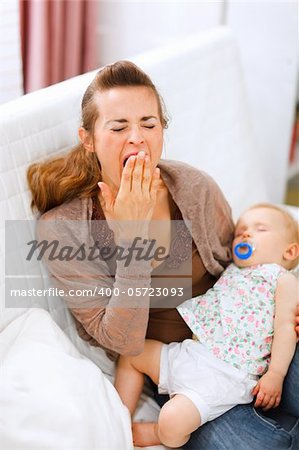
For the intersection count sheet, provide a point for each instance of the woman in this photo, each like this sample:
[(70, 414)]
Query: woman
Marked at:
[(116, 188)]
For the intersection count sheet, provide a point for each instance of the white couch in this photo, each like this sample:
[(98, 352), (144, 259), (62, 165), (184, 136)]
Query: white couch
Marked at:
[(202, 84)]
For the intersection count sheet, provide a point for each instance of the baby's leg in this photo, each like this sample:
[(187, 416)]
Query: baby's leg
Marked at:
[(178, 418), (130, 372)]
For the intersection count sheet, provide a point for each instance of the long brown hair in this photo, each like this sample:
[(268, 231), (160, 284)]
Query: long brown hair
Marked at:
[(76, 174)]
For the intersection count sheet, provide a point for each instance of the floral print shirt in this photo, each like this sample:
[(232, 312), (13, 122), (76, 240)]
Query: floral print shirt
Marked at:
[(234, 319)]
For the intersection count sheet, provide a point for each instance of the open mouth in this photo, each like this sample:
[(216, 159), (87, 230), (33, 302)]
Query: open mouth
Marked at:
[(125, 160), (127, 157)]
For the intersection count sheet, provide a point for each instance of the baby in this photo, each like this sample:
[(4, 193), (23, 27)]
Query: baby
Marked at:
[(248, 314)]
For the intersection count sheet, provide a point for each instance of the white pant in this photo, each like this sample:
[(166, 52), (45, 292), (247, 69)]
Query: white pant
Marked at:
[(213, 385)]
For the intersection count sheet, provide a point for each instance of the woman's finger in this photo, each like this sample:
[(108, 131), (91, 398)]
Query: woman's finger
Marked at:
[(126, 176), (146, 176), (155, 184), (137, 173)]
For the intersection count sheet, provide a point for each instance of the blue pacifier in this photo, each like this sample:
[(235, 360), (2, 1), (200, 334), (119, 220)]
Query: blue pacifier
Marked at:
[(243, 250)]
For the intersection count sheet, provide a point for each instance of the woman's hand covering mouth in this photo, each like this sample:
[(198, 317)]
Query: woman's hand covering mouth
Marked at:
[(128, 156)]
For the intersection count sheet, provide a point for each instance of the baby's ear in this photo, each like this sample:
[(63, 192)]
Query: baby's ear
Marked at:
[(86, 139), (291, 252)]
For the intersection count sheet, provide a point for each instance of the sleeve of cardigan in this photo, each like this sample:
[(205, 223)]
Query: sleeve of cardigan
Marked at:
[(106, 308)]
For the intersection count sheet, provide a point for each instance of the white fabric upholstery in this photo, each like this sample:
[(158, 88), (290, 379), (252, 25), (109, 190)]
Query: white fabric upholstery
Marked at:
[(52, 397), (201, 81)]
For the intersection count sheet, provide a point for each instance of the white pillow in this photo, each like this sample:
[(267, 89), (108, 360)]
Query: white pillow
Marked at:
[(52, 397)]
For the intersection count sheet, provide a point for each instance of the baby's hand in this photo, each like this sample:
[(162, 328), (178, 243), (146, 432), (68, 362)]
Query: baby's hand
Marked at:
[(268, 390), (297, 322)]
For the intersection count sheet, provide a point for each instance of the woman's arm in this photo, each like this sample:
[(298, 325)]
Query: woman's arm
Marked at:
[(111, 312), (121, 325), (107, 310)]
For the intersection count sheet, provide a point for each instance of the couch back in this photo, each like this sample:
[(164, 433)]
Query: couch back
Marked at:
[(200, 78)]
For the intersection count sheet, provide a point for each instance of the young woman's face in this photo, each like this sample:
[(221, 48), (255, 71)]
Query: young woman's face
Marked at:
[(266, 229), (128, 122)]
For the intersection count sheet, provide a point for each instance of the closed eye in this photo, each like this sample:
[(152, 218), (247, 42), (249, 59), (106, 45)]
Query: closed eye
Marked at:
[(149, 126), (118, 129), (262, 228)]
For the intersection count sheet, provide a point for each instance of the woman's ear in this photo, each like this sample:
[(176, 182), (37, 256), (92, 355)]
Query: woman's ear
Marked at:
[(86, 139), (291, 252)]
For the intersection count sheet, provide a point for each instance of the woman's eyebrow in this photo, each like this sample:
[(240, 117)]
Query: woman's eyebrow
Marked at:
[(148, 118), (143, 119), (116, 120)]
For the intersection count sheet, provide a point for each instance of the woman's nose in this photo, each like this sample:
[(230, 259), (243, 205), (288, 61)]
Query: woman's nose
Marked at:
[(136, 136)]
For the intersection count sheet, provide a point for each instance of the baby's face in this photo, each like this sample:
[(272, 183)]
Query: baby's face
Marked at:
[(265, 228)]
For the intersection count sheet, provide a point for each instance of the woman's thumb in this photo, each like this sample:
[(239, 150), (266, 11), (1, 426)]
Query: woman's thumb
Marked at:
[(106, 194)]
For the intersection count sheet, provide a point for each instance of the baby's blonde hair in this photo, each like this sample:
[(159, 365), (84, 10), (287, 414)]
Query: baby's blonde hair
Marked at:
[(291, 224)]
